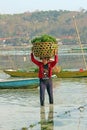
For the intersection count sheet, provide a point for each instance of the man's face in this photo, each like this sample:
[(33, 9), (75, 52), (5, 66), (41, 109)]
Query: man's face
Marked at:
[(45, 61)]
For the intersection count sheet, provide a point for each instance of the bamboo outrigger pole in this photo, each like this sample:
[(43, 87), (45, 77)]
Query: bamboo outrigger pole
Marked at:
[(78, 36)]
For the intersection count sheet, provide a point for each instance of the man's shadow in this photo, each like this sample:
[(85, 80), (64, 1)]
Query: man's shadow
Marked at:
[(47, 123)]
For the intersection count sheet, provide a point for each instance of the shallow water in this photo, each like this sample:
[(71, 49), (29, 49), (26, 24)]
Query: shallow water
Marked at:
[(20, 108)]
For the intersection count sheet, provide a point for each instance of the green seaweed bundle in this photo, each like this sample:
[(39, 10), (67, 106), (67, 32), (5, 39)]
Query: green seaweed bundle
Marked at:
[(43, 38), (44, 46)]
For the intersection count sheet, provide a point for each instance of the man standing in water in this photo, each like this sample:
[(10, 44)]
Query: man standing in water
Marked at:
[(45, 76)]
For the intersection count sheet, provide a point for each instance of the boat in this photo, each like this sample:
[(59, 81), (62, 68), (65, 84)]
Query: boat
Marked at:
[(19, 83), (72, 74), (23, 74), (62, 74), (17, 73)]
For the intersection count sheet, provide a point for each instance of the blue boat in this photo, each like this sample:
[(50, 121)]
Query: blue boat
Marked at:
[(19, 83)]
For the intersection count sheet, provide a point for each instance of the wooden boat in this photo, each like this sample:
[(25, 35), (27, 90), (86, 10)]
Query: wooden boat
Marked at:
[(24, 74), (72, 74), (17, 73), (61, 74), (19, 83)]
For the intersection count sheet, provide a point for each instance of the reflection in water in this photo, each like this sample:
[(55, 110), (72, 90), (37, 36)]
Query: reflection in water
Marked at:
[(47, 124)]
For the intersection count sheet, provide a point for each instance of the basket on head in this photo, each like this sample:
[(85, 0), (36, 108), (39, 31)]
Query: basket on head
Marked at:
[(44, 46), (44, 49)]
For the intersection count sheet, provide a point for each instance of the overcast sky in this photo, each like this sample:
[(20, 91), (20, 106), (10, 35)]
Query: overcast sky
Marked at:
[(21, 6)]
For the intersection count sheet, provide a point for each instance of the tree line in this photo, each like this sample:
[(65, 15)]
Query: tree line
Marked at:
[(18, 29)]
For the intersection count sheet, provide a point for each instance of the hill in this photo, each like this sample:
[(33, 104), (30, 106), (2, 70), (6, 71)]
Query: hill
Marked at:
[(18, 29)]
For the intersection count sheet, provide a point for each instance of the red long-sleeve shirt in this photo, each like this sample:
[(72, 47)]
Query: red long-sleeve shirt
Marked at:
[(51, 64)]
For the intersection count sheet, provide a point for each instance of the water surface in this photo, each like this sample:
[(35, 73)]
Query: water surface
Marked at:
[(20, 108)]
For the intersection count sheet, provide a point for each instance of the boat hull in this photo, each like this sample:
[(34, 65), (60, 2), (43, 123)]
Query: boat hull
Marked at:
[(61, 74), (16, 73), (71, 74), (19, 83)]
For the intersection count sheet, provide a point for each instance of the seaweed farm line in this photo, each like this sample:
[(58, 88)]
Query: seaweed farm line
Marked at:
[(20, 108)]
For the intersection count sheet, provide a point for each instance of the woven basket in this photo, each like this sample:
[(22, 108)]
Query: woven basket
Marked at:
[(44, 49)]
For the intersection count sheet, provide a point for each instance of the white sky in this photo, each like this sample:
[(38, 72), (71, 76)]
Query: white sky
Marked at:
[(21, 6)]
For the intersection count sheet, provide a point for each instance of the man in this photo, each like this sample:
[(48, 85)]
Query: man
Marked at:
[(45, 76)]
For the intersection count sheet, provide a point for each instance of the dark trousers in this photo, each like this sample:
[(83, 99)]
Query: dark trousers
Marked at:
[(46, 83)]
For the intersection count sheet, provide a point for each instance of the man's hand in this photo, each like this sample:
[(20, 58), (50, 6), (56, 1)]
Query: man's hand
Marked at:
[(55, 52), (32, 50)]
